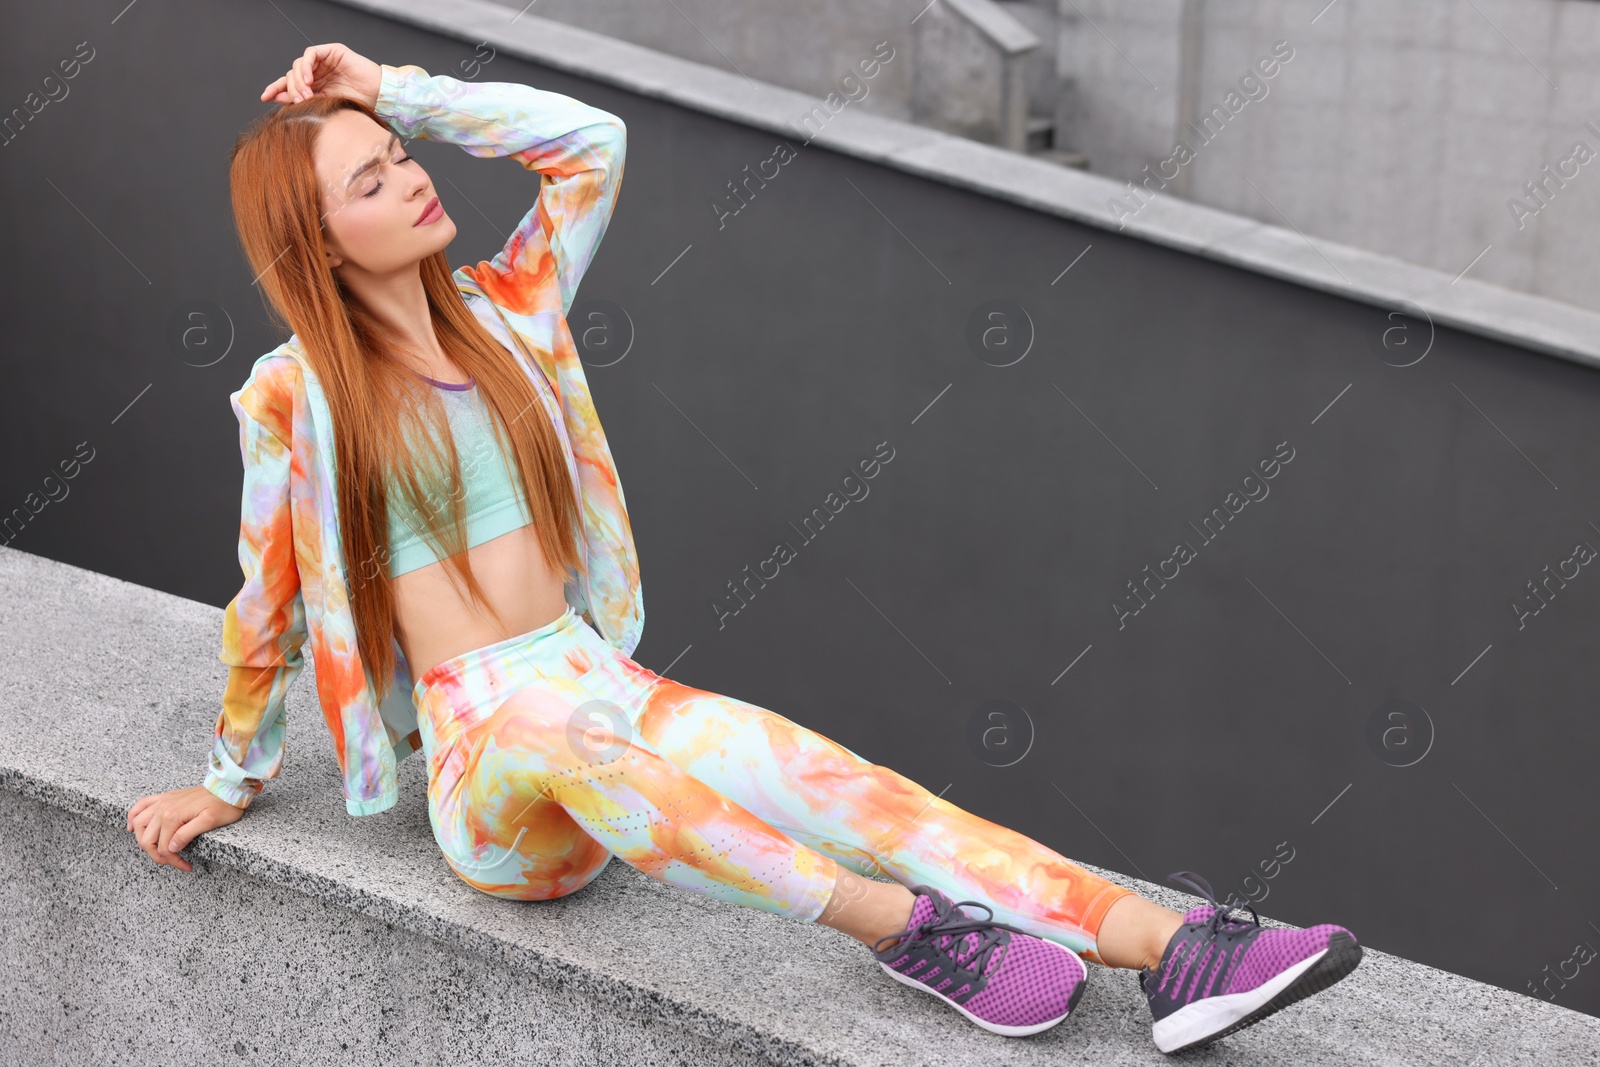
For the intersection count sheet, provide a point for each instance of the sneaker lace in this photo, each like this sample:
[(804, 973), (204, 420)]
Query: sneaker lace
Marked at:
[(1222, 913), (951, 921)]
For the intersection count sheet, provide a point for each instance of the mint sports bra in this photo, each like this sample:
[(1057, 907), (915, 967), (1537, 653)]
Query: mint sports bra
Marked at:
[(495, 502)]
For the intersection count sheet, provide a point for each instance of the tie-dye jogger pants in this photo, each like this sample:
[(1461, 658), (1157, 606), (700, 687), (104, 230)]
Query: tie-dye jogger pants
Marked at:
[(551, 751)]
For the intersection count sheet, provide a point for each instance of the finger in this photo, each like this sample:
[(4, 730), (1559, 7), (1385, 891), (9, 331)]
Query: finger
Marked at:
[(161, 852), (149, 850), (296, 88), (164, 838), (322, 61), (147, 835), (309, 66), (297, 74), (274, 88), (150, 840), (189, 829), (172, 843)]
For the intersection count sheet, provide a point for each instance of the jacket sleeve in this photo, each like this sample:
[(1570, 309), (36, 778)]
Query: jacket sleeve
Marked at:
[(577, 149), (264, 627)]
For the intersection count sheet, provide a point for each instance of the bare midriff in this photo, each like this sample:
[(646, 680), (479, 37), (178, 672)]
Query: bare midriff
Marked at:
[(436, 620)]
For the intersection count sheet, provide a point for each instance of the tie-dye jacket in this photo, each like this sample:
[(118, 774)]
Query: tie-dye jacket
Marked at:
[(290, 545)]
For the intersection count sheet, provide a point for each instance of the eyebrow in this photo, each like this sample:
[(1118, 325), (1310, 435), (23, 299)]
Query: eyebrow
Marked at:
[(373, 161)]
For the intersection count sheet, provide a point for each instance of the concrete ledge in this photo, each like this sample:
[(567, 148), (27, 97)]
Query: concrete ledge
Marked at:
[(349, 940), (230, 967), (1532, 322)]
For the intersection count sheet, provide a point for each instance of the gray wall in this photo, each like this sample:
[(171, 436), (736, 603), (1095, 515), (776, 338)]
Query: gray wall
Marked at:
[(956, 66), (1401, 126), (834, 312)]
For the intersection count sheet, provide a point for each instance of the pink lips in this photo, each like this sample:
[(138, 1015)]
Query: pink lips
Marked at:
[(432, 213)]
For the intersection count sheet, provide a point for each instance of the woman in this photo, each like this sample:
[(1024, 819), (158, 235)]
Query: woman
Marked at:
[(473, 591)]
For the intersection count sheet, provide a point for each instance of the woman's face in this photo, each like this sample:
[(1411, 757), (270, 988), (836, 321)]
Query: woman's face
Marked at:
[(373, 196)]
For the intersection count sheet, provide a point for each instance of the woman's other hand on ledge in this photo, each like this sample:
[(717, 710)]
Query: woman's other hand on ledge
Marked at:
[(165, 823)]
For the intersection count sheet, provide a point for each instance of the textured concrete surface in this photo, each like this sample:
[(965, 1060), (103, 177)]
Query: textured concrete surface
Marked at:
[(348, 939), (125, 962), (1280, 251)]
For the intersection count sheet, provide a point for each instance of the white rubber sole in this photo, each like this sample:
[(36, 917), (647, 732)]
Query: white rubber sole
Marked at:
[(995, 1028), (1203, 1018)]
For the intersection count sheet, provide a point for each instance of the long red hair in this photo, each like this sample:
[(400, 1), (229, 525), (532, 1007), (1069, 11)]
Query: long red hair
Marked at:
[(374, 398)]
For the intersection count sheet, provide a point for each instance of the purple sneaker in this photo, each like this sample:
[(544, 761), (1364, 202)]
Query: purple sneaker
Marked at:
[(1221, 973), (1003, 979)]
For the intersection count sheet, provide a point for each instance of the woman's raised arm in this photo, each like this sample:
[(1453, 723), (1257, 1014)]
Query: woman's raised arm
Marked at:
[(577, 149)]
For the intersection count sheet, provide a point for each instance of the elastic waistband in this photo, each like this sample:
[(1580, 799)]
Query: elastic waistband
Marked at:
[(468, 661)]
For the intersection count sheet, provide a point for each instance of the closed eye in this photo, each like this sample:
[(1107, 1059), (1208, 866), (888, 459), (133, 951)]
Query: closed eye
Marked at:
[(379, 184)]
